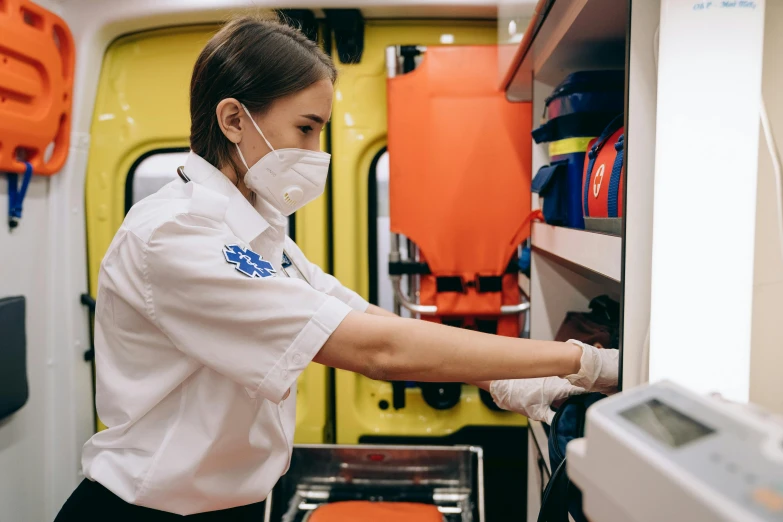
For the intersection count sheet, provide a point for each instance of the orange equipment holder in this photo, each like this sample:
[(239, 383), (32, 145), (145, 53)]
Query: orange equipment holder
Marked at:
[(36, 87), (459, 184), (363, 511)]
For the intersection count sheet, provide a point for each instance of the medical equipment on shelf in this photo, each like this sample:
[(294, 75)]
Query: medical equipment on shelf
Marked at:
[(581, 105), (411, 478), (578, 109), (603, 180), (661, 452), (569, 156)]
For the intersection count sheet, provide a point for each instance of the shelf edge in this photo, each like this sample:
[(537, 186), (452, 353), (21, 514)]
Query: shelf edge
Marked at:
[(558, 242), (536, 21)]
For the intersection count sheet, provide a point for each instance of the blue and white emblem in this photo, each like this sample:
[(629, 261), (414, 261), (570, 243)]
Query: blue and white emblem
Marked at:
[(248, 262)]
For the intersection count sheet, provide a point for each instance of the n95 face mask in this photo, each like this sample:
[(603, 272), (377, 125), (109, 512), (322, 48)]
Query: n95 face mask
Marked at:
[(287, 178)]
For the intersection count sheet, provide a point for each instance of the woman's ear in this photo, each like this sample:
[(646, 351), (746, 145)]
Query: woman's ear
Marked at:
[(229, 113)]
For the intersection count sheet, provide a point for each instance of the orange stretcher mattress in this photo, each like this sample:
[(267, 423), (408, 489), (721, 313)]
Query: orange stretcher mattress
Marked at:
[(364, 511), (460, 160)]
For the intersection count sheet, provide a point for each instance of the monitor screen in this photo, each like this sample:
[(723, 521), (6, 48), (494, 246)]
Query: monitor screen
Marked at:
[(666, 424)]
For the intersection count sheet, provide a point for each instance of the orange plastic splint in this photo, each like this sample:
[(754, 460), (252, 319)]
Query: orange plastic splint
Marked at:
[(36, 87), (459, 159), (363, 511)]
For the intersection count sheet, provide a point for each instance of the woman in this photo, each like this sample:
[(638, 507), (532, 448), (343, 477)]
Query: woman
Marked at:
[(207, 313)]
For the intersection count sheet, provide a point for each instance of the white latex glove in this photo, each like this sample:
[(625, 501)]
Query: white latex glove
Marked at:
[(532, 397), (600, 369)]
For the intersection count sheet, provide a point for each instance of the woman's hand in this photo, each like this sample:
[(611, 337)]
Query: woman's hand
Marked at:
[(532, 397), (599, 371)]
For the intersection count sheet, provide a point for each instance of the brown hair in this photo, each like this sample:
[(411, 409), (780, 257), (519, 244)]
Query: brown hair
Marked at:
[(256, 61)]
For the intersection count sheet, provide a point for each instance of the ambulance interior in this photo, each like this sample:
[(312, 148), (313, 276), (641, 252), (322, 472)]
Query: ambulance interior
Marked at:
[(528, 168)]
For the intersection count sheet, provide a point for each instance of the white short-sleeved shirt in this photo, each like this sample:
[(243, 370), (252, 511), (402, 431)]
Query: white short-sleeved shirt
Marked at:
[(199, 335)]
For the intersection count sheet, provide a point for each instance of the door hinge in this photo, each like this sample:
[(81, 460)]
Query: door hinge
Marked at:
[(88, 301)]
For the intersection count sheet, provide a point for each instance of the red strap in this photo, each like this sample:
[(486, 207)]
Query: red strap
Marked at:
[(523, 233)]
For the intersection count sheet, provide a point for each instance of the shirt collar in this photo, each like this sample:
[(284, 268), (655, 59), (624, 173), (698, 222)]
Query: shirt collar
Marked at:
[(244, 220)]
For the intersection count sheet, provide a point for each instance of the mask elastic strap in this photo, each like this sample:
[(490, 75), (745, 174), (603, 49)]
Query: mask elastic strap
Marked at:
[(241, 156), (258, 129)]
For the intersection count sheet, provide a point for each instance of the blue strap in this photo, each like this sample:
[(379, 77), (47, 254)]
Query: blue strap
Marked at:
[(614, 180), (16, 194), (610, 129), (591, 154)]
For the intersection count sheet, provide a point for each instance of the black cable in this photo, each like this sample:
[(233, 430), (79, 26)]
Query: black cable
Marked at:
[(558, 476)]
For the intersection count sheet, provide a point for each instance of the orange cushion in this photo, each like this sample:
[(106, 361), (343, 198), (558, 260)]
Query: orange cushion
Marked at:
[(363, 511)]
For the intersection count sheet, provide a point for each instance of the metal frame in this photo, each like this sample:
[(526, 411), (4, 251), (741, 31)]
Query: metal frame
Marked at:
[(322, 473)]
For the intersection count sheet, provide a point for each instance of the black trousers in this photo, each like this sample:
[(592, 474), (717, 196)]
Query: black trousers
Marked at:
[(93, 502)]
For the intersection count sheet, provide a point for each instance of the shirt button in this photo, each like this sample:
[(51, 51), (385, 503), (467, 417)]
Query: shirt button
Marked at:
[(284, 373), (297, 359)]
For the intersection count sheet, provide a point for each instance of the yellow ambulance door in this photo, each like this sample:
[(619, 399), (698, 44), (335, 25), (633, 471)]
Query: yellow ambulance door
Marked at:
[(139, 136)]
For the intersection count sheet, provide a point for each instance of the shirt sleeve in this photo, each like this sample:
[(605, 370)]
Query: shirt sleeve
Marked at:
[(324, 282), (259, 331)]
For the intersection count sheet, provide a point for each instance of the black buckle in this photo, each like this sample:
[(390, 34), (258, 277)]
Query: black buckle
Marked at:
[(487, 284), (450, 284), (482, 284), (408, 268)]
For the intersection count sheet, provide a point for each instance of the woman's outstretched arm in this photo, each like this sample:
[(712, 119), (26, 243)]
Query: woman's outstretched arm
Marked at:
[(391, 348)]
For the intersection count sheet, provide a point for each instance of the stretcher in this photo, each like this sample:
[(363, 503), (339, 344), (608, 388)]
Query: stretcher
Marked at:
[(458, 193), (447, 111), (459, 204), (380, 483)]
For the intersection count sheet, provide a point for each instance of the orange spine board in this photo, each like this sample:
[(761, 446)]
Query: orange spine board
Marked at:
[(37, 58)]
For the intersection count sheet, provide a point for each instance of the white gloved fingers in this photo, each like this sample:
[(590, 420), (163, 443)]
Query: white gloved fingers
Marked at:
[(517, 395), (599, 371), (532, 397), (523, 396), (558, 389)]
